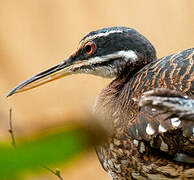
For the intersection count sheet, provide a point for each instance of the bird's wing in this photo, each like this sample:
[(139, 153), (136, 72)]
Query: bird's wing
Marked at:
[(175, 111), (166, 121), (174, 72), (165, 118)]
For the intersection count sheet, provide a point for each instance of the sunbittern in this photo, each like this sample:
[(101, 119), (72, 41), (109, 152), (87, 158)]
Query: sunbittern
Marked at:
[(145, 143)]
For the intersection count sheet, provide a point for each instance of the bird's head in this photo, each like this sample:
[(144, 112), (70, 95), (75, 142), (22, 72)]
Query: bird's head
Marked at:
[(105, 52)]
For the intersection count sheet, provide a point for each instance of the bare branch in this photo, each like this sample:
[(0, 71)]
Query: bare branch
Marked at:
[(56, 172), (10, 130), (13, 143)]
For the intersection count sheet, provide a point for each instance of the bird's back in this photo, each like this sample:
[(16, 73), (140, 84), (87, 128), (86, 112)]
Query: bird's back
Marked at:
[(174, 72), (143, 138)]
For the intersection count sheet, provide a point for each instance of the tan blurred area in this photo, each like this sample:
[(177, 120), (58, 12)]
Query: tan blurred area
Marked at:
[(37, 34)]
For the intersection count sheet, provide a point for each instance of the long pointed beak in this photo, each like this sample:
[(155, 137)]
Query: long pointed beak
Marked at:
[(51, 74)]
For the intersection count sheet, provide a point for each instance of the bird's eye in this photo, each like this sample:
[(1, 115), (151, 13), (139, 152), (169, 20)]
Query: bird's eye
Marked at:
[(89, 48)]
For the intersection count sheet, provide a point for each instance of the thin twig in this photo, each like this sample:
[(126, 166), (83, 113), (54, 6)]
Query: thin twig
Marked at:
[(13, 142), (56, 172)]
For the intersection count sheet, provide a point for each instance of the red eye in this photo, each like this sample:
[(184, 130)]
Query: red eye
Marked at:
[(90, 47)]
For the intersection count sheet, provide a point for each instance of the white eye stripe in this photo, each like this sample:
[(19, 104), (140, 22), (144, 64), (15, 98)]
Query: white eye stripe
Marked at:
[(126, 55), (102, 34)]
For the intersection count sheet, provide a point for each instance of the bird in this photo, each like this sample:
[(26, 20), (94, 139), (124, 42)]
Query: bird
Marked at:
[(145, 142)]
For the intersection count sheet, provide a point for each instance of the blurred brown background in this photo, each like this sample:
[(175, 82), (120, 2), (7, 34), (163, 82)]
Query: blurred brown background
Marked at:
[(37, 34)]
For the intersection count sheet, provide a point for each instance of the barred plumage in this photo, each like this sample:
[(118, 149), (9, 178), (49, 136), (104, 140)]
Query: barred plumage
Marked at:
[(152, 132), (154, 140)]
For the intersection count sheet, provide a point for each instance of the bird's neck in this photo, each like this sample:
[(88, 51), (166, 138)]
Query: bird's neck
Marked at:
[(117, 98), (124, 77)]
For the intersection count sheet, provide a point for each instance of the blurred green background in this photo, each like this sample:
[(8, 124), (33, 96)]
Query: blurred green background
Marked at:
[(37, 34)]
